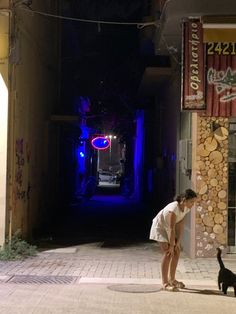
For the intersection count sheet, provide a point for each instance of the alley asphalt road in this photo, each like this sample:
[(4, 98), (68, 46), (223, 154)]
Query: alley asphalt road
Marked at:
[(108, 278)]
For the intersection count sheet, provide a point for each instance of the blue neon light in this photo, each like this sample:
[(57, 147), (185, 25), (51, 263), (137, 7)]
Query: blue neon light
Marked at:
[(81, 154)]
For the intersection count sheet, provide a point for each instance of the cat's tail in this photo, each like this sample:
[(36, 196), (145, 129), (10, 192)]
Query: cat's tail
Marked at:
[(219, 258)]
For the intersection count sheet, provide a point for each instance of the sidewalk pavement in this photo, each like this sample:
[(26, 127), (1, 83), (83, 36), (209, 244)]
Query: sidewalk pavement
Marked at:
[(102, 278)]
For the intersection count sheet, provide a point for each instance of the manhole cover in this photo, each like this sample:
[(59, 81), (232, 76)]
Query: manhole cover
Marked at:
[(135, 288), (20, 279)]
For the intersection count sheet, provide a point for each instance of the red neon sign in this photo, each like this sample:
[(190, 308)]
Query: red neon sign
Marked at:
[(100, 142)]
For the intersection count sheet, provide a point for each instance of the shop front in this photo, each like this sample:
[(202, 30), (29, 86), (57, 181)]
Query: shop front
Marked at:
[(209, 94)]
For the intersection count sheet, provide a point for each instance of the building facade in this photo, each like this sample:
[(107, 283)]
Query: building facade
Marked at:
[(194, 144), (29, 79)]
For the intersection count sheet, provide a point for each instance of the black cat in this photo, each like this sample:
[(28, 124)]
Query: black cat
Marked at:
[(225, 277)]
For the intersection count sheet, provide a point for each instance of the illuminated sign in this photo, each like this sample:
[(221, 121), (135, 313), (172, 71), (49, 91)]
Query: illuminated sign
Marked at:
[(193, 75), (100, 142)]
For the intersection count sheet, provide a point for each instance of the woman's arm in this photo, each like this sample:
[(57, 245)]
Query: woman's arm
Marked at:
[(179, 227), (172, 226)]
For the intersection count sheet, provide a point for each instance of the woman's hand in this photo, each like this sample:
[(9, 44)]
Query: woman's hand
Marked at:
[(171, 250), (177, 247)]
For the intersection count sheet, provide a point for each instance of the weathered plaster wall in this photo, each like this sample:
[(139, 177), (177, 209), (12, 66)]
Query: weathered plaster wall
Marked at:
[(33, 95), (183, 177), (169, 118)]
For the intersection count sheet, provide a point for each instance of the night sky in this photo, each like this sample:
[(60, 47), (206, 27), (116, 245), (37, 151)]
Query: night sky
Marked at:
[(104, 62)]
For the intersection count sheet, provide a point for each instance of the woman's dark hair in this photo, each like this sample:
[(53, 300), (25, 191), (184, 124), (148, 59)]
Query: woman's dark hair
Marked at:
[(187, 195)]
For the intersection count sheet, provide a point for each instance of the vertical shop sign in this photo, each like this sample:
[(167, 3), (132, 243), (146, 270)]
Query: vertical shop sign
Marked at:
[(193, 75)]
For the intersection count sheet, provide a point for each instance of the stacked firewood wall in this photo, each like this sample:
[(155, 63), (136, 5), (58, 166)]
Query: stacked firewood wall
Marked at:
[(212, 185)]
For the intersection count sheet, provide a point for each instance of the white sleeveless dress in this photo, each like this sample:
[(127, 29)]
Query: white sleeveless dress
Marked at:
[(160, 224)]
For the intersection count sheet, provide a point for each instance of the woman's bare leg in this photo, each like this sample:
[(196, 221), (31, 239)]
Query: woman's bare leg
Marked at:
[(173, 264), (165, 262)]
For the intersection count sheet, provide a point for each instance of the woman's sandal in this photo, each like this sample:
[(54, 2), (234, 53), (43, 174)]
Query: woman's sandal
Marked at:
[(169, 287), (177, 284)]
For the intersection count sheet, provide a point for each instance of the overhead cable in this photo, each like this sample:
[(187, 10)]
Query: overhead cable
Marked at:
[(139, 25)]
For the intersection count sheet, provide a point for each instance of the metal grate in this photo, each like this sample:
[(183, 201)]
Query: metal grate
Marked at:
[(38, 280), (135, 288)]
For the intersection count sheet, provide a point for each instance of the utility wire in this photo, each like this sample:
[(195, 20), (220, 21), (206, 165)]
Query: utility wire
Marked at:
[(139, 25)]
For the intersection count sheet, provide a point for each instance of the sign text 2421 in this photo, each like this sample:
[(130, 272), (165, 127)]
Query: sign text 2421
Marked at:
[(224, 48)]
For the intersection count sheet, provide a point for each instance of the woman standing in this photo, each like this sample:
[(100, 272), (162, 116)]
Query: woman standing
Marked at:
[(167, 228)]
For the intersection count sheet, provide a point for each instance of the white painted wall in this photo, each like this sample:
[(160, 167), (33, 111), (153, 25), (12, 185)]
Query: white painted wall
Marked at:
[(3, 152), (4, 31)]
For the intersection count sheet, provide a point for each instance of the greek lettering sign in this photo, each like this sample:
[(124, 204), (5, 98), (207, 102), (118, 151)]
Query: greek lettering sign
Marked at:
[(193, 61)]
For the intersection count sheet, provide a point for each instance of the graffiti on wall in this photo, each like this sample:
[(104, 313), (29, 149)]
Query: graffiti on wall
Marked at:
[(21, 189), (224, 83)]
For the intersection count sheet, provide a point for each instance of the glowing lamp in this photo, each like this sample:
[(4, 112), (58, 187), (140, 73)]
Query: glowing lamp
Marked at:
[(100, 142)]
